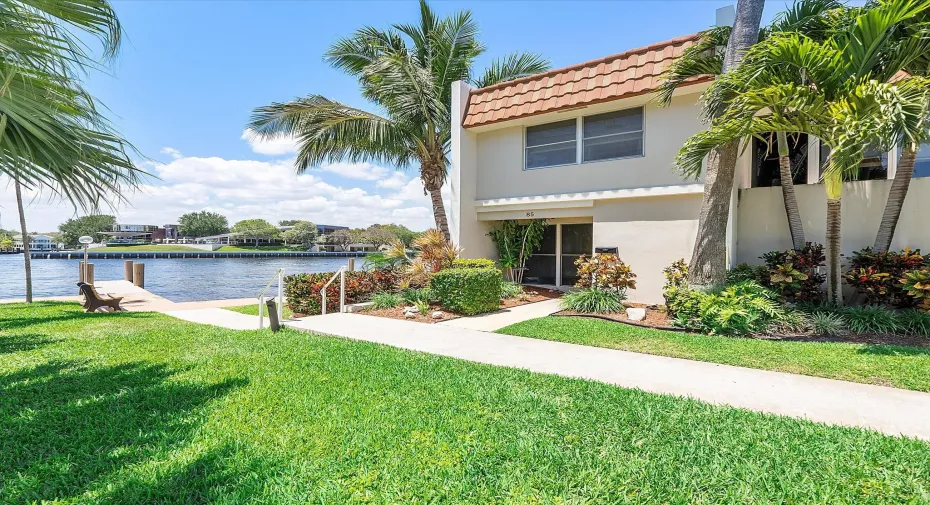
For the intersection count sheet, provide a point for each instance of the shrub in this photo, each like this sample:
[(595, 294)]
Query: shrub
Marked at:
[(747, 272), (594, 301), (791, 322), (914, 322), (876, 275), (827, 323), (412, 296), (740, 309), (684, 305), (473, 263), (871, 319), (467, 291), (916, 284), (793, 273), (510, 290), (604, 272), (676, 274), (385, 300), (303, 290)]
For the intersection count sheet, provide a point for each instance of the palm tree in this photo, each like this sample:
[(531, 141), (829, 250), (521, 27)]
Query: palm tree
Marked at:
[(52, 136), (407, 71), (837, 89), (706, 58), (708, 260)]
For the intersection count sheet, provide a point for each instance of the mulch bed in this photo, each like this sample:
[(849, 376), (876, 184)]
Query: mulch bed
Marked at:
[(530, 295), (658, 319)]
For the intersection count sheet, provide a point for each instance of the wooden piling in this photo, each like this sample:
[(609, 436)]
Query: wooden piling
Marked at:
[(127, 270), (89, 272), (351, 264), (138, 274)]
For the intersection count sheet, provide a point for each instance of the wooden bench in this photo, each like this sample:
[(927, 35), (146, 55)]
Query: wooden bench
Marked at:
[(93, 301)]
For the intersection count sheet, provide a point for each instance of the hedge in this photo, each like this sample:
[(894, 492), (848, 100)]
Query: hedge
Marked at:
[(473, 263), (303, 290), (467, 291)]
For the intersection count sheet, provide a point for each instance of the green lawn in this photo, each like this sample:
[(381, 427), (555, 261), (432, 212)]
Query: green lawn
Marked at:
[(247, 248), (141, 408), (252, 310), (903, 367)]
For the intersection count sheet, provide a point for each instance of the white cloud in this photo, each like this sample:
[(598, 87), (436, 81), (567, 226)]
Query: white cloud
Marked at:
[(170, 151), (273, 147), (360, 171), (242, 189)]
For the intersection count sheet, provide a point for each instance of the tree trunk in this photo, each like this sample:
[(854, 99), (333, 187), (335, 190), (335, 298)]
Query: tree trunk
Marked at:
[(896, 196), (834, 271), (709, 259), (795, 225), (27, 260)]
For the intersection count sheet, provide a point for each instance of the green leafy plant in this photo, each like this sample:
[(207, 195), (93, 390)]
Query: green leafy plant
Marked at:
[(741, 309), (827, 323), (467, 291), (516, 243), (302, 291), (876, 275), (916, 284), (793, 273), (676, 274), (594, 301), (747, 272), (412, 296), (605, 272), (914, 322), (473, 263), (422, 307), (510, 290), (385, 300), (871, 319)]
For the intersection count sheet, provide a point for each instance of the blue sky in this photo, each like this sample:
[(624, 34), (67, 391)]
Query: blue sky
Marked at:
[(190, 73)]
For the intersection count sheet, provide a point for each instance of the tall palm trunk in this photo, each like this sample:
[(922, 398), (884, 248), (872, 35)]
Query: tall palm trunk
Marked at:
[(708, 261), (795, 225), (834, 272), (432, 173), (22, 229), (896, 196)]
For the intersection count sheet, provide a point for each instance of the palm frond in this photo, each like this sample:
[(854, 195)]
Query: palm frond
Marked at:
[(513, 66), (705, 57)]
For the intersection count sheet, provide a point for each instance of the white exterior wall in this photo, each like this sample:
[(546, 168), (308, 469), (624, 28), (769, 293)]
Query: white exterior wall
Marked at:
[(763, 226), (500, 153)]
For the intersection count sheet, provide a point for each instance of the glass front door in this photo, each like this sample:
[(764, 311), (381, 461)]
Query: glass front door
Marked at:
[(540, 267), (577, 239)]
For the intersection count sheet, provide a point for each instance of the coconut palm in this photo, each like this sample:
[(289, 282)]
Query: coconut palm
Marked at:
[(836, 89), (52, 136), (407, 71), (706, 58)]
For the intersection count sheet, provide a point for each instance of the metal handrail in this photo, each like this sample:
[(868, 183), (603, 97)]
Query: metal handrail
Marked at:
[(279, 275), (341, 273)]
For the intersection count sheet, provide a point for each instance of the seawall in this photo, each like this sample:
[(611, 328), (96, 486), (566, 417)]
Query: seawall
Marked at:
[(78, 255)]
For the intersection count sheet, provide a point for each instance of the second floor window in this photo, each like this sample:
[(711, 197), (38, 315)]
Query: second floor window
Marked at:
[(551, 144), (613, 135)]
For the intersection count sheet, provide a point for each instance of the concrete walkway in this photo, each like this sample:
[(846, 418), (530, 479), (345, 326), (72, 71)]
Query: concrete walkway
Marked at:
[(502, 318), (218, 317), (888, 410)]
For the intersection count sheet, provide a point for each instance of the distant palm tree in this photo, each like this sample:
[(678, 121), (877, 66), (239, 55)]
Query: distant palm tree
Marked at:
[(407, 71), (52, 136)]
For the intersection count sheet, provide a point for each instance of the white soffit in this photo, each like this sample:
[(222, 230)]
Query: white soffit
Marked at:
[(585, 199)]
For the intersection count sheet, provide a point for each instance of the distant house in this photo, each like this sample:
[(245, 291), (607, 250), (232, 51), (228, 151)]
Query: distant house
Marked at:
[(36, 243), (141, 234), (234, 238), (587, 148)]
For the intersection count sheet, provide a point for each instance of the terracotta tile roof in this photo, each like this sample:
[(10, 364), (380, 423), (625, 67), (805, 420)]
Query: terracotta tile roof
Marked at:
[(623, 75)]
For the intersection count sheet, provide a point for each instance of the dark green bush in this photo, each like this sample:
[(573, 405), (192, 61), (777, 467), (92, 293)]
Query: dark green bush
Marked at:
[(473, 263), (413, 296), (467, 291), (741, 309), (385, 300), (510, 290), (594, 301), (871, 319), (914, 322), (747, 272)]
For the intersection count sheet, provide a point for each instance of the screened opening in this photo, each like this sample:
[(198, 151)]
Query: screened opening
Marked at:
[(613, 135), (540, 267), (766, 171), (551, 144)]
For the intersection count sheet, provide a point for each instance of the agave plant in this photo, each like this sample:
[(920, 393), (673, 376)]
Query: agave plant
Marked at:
[(432, 254)]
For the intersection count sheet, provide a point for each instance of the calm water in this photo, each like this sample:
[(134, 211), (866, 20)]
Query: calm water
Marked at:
[(179, 280)]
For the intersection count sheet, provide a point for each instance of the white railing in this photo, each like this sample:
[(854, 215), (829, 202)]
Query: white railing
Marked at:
[(279, 275), (341, 273)]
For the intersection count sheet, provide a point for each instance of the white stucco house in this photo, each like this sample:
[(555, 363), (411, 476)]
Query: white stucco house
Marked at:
[(36, 243), (588, 148)]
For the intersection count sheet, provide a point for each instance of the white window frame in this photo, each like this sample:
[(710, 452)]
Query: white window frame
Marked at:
[(579, 141)]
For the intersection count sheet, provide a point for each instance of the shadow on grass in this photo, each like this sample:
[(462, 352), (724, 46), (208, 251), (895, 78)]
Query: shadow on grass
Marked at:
[(24, 342), (12, 323), (894, 350), (67, 428)]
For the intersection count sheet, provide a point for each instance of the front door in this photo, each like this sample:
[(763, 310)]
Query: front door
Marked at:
[(541, 266), (577, 239)]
